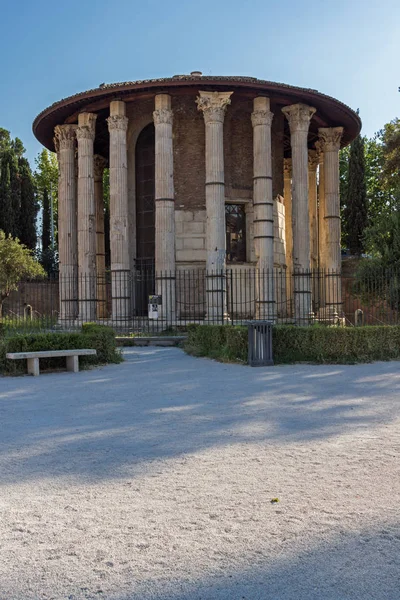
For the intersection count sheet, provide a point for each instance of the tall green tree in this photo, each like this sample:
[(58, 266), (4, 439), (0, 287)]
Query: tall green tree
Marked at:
[(18, 207), (355, 213), (6, 216), (46, 176), (29, 205), (46, 221), (15, 195)]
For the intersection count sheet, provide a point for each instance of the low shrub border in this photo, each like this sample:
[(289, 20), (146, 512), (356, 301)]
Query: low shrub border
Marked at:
[(315, 344), (99, 337)]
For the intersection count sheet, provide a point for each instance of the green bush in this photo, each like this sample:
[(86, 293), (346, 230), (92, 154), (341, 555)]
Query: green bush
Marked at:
[(98, 337), (315, 344), (222, 342)]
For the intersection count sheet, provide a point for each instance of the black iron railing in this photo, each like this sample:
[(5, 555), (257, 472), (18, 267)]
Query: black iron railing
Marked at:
[(234, 296)]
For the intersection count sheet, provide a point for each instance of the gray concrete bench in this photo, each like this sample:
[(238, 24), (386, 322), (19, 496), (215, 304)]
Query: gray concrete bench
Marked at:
[(33, 358)]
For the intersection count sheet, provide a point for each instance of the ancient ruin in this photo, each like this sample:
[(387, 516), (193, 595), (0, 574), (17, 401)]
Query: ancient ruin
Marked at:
[(204, 173)]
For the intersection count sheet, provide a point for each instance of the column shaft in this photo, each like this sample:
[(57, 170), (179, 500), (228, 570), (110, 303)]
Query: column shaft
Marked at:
[(321, 208), (119, 238), (99, 165), (86, 218), (263, 208), (213, 106), (313, 207), (287, 192), (330, 138), (299, 117), (164, 206), (65, 136)]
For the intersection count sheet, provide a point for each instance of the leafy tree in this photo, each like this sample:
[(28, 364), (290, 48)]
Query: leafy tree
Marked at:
[(46, 176), (16, 262), (355, 212), (390, 137)]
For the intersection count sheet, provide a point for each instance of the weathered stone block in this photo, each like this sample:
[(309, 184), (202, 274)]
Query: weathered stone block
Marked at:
[(193, 243), (193, 227)]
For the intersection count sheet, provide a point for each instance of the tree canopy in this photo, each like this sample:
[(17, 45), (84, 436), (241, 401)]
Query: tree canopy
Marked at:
[(17, 262)]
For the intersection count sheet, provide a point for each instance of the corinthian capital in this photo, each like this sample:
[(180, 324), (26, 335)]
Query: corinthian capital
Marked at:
[(299, 116), (99, 164), (117, 122), (213, 105), (262, 117), (320, 151), (163, 115), (313, 160), (64, 137), (330, 138), (86, 126)]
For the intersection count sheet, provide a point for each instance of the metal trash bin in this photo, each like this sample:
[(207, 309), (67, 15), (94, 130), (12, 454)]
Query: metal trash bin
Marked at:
[(260, 343)]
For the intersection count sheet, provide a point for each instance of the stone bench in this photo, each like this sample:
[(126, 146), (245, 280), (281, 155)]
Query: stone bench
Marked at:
[(72, 357)]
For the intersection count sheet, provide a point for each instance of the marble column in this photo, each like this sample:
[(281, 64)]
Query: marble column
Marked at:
[(313, 206), (330, 138), (321, 205), (85, 134), (213, 105), (287, 193), (65, 141), (313, 212), (261, 119), (164, 206), (99, 165), (299, 117), (321, 225), (119, 238)]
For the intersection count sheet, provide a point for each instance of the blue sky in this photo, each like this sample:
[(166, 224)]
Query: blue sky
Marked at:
[(349, 49)]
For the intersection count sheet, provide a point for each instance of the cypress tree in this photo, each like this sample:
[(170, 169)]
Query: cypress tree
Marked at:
[(6, 217), (48, 257), (29, 206), (46, 219), (15, 196), (355, 214)]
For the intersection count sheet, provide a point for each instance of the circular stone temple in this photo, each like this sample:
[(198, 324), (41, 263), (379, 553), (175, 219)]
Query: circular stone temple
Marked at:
[(205, 173)]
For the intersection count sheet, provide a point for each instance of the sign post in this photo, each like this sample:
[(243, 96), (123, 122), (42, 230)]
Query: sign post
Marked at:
[(154, 303)]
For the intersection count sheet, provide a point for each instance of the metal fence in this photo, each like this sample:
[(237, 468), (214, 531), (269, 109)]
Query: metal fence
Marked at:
[(233, 296)]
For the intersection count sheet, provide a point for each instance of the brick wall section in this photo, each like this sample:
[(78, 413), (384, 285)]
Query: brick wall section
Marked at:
[(189, 170), (189, 154), (238, 149)]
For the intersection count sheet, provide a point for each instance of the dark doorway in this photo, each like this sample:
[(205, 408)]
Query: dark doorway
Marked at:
[(145, 217)]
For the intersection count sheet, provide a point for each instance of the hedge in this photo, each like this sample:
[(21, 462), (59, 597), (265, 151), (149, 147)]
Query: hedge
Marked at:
[(314, 344), (99, 337)]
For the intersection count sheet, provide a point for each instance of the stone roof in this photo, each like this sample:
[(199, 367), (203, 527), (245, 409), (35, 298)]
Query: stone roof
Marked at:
[(108, 89)]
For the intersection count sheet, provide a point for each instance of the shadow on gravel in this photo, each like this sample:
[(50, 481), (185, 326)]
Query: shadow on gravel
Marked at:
[(161, 403), (353, 566)]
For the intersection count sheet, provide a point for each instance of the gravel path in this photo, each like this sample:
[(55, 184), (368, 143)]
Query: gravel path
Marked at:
[(153, 480)]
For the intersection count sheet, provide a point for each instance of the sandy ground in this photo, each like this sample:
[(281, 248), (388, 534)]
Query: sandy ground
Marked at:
[(153, 480)]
